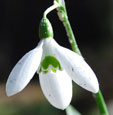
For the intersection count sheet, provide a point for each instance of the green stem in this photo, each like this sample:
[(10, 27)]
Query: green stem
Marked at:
[(101, 103), (98, 96), (71, 36)]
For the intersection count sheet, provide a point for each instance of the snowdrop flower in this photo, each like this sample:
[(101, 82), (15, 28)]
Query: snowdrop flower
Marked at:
[(57, 67)]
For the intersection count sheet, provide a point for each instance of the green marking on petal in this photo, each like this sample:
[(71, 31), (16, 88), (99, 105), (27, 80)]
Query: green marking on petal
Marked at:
[(45, 72), (40, 70), (50, 60), (50, 63), (54, 70)]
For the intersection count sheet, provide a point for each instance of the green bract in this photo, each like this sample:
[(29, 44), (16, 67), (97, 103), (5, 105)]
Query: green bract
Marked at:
[(61, 7), (50, 62), (45, 29)]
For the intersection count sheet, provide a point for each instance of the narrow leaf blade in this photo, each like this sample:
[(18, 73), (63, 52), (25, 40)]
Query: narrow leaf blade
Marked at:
[(72, 111)]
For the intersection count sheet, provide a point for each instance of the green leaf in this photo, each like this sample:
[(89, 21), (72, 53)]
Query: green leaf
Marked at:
[(72, 111)]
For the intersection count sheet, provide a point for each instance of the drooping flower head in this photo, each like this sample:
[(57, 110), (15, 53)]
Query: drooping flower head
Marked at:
[(57, 67)]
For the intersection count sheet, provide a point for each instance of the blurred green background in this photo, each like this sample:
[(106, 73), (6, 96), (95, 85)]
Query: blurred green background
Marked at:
[(92, 23)]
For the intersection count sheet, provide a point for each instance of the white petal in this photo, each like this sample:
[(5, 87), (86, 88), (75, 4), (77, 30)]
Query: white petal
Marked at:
[(76, 67), (57, 88), (48, 47), (24, 70)]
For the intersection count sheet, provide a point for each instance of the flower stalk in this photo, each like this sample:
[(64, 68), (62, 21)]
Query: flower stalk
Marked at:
[(64, 18), (71, 35), (51, 8)]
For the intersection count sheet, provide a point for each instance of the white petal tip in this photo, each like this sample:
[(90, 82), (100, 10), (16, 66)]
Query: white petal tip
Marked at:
[(63, 107), (63, 104), (10, 92), (95, 89)]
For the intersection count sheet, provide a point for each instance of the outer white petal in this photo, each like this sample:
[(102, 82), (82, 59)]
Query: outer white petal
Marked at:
[(57, 88), (24, 70), (76, 67)]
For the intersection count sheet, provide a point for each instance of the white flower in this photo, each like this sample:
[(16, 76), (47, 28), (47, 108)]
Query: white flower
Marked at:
[(56, 66)]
